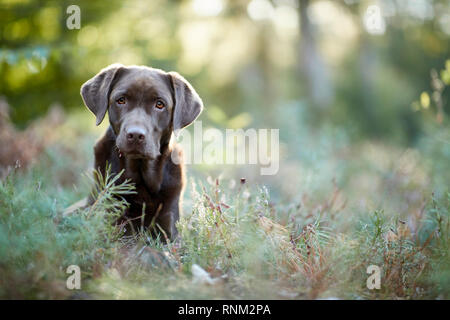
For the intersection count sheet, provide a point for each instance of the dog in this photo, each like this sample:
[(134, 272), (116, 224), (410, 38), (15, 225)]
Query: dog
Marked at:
[(145, 107)]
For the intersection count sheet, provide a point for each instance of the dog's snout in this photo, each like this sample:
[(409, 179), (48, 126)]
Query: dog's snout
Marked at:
[(135, 134)]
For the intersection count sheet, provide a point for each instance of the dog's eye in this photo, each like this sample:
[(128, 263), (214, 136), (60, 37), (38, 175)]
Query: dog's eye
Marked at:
[(159, 104), (121, 100)]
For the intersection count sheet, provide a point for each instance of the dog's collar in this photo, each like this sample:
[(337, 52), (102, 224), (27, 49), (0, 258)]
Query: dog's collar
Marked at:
[(119, 153)]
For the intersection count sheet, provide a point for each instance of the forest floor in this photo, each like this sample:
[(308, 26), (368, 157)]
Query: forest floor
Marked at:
[(237, 239)]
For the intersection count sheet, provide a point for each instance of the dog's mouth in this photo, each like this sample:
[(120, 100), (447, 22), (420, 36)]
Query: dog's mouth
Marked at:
[(133, 154), (136, 149), (137, 156)]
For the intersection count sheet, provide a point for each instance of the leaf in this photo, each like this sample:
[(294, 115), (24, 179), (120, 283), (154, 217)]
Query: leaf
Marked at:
[(425, 100)]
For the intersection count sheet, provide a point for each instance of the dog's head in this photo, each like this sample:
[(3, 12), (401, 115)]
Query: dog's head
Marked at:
[(144, 105)]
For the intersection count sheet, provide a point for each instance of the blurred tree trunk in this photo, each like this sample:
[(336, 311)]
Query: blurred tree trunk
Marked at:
[(311, 63), (366, 69), (267, 72)]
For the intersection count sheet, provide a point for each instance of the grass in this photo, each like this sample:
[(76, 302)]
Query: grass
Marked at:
[(237, 240), (240, 243)]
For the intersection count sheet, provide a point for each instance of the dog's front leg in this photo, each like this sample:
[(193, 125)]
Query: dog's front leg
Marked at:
[(169, 215)]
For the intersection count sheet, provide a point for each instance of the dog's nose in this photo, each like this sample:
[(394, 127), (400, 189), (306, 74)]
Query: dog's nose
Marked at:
[(135, 134)]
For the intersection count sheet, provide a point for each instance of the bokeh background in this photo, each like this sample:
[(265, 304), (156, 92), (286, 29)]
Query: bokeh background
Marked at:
[(355, 87), (359, 64), (358, 89), (336, 77)]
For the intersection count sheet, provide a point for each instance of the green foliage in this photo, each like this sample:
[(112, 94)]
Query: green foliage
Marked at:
[(297, 235), (37, 243), (236, 235), (42, 62)]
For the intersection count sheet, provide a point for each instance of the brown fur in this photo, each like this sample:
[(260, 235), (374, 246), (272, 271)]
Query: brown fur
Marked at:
[(147, 161), (165, 186)]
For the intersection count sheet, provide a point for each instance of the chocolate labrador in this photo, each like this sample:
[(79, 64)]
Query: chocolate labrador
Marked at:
[(145, 107)]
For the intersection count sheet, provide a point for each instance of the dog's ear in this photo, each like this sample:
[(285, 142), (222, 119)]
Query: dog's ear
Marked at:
[(95, 92), (188, 104)]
